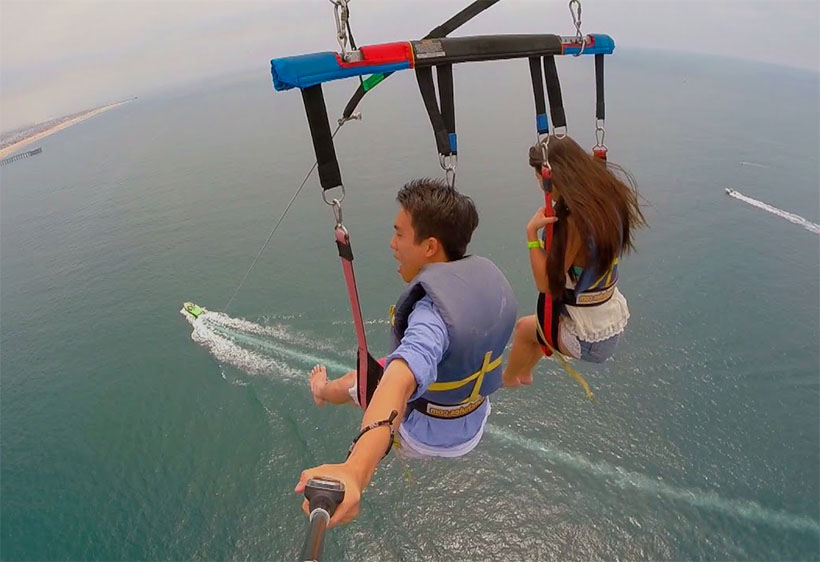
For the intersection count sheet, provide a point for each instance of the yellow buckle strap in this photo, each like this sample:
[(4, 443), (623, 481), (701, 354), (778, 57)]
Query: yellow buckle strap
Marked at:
[(488, 366)]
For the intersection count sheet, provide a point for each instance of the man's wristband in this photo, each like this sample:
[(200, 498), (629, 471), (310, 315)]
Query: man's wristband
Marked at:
[(374, 425), (534, 244)]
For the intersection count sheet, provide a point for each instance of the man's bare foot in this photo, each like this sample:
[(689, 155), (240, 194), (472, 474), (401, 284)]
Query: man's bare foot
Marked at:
[(318, 382)]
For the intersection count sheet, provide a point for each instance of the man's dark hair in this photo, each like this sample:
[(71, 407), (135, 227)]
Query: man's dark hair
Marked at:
[(439, 211)]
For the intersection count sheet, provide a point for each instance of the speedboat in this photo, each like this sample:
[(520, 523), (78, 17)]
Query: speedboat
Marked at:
[(193, 309)]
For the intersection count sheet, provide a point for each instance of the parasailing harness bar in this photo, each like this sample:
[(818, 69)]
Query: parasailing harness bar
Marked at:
[(309, 72)]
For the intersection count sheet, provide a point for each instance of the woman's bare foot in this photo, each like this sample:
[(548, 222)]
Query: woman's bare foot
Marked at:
[(318, 382), (512, 382)]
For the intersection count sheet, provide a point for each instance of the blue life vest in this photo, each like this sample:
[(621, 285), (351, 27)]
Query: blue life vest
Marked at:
[(479, 308), (591, 288)]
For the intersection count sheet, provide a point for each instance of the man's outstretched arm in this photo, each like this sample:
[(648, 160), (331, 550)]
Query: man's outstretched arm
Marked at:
[(392, 393), (411, 368)]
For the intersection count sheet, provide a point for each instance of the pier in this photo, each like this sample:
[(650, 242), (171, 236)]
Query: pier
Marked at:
[(20, 156)]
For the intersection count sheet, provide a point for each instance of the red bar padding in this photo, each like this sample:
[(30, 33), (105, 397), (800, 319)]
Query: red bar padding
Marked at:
[(386, 53)]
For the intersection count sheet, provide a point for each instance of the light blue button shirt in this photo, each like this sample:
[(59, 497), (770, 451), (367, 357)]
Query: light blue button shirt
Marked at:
[(423, 346)]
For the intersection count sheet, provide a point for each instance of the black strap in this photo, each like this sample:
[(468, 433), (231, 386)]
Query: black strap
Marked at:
[(599, 87), (542, 122), (374, 375), (424, 76), (570, 297), (350, 33), (460, 18), (444, 77), (443, 30), (345, 250), (549, 326), (420, 405), (374, 425), (329, 174), (554, 93)]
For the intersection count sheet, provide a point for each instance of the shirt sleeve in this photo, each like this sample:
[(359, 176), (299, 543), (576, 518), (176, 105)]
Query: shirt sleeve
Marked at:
[(424, 343)]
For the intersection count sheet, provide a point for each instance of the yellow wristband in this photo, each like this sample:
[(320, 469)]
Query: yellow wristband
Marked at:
[(533, 244)]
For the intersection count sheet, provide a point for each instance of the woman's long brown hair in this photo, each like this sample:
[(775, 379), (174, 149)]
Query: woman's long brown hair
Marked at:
[(602, 199)]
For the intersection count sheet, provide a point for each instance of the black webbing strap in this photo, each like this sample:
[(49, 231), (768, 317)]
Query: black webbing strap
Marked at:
[(554, 93), (542, 122), (354, 100), (445, 411), (443, 30), (460, 18), (599, 87), (444, 77), (424, 76), (329, 174), (374, 375)]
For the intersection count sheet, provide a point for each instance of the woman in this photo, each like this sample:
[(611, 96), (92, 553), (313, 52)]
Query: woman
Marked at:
[(596, 212)]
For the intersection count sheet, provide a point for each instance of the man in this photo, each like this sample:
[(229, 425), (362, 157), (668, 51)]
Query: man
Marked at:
[(450, 327)]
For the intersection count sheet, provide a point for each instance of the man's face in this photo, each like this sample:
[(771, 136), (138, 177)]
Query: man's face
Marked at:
[(411, 256)]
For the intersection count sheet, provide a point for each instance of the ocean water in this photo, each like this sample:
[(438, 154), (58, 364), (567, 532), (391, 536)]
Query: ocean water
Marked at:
[(126, 433)]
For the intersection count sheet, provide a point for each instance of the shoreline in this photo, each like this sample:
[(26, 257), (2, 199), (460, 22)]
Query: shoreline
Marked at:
[(8, 150)]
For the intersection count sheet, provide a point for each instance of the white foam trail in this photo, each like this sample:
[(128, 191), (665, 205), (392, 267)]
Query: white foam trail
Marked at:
[(278, 332), (371, 322), (232, 346), (250, 347), (625, 479), (754, 164), (791, 217)]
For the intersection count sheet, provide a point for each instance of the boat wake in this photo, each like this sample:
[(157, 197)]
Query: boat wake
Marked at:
[(791, 217), (257, 349), (628, 480), (754, 164)]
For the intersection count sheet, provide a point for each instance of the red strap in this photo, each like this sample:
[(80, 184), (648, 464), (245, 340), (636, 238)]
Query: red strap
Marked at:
[(549, 212), (343, 239)]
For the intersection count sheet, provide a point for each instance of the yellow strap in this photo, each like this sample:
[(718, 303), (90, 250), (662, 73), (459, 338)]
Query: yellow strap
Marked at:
[(563, 361), (572, 372), (607, 274), (478, 376)]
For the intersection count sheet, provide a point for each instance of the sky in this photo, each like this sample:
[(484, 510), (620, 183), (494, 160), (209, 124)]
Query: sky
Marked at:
[(62, 56)]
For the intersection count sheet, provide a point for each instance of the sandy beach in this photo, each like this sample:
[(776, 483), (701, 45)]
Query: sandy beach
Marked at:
[(12, 148)]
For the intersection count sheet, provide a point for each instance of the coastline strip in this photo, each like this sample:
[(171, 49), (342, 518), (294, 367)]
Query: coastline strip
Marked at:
[(58, 127)]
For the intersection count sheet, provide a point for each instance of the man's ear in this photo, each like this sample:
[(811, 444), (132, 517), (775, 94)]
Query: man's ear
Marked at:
[(433, 246)]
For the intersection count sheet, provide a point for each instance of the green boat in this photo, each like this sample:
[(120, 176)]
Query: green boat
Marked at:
[(193, 309)]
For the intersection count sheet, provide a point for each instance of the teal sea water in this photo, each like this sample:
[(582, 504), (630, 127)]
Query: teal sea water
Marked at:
[(128, 434)]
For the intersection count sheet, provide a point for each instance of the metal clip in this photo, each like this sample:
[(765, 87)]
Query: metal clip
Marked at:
[(544, 141), (341, 14), (600, 133), (334, 201), (354, 117), (448, 163), (337, 212), (576, 20)]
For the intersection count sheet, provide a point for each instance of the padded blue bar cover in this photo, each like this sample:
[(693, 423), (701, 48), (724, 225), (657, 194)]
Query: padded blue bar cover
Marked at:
[(604, 45), (303, 71)]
